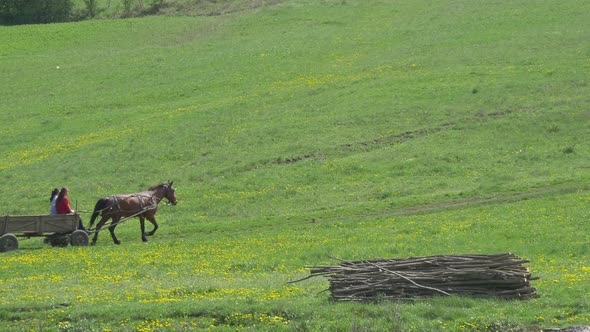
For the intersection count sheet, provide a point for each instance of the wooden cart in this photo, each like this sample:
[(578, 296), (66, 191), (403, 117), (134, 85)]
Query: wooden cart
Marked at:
[(58, 230)]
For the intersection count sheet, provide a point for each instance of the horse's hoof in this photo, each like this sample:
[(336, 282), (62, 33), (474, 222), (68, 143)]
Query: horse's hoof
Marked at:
[(117, 242), (144, 240)]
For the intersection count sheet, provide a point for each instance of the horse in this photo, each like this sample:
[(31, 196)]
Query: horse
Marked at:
[(143, 205)]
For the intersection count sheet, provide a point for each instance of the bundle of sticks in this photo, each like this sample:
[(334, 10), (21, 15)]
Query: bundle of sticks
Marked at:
[(495, 275)]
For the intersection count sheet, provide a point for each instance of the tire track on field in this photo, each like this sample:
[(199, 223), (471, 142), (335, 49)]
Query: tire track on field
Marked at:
[(471, 202), (374, 144)]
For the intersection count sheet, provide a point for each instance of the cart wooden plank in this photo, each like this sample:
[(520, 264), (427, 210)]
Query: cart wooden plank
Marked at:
[(36, 225)]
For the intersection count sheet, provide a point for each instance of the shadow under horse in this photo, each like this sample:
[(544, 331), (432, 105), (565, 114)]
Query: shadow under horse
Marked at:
[(143, 205)]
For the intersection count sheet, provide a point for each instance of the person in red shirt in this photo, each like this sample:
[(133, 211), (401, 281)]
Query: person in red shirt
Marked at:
[(62, 205)]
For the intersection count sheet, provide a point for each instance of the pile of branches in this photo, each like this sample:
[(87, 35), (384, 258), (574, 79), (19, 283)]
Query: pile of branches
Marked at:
[(496, 275)]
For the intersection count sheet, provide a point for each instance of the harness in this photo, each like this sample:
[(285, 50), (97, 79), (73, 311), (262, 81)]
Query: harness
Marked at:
[(152, 199)]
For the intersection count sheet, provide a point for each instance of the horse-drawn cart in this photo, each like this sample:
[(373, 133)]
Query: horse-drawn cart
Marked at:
[(59, 230)]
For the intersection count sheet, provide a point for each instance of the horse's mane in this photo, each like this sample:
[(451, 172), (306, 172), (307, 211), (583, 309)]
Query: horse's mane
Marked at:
[(158, 185)]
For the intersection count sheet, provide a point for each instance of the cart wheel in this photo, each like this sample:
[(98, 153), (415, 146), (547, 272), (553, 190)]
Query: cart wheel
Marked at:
[(79, 238), (8, 242)]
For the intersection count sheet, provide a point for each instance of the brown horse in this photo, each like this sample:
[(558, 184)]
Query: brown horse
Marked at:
[(142, 204)]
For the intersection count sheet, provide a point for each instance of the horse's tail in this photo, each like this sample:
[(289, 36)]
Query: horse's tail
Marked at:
[(101, 204)]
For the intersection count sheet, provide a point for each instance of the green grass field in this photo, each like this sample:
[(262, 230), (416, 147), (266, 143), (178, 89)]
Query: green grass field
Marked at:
[(295, 131)]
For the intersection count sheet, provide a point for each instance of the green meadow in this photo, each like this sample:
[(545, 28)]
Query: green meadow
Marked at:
[(296, 131)]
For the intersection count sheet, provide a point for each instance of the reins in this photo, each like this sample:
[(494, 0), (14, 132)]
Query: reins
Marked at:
[(151, 196), (116, 199), (108, 224)]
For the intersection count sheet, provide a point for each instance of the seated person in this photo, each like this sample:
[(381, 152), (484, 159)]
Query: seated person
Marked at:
[(62, 205), (53, 201)]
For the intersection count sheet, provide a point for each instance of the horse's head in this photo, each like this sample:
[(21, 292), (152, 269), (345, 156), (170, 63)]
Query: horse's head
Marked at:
[(170, 193), (165, 190)]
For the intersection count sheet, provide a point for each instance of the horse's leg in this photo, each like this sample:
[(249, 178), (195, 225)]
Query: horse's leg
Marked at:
[(152, 219), (101, 223), (112, 229), (142, 226)]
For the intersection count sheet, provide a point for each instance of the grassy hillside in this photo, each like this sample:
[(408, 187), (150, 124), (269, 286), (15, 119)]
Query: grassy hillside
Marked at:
[(101, 9), (357, 129)]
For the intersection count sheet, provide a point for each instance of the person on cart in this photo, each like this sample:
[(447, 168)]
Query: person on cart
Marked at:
[(62, 205), (53, 201)]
